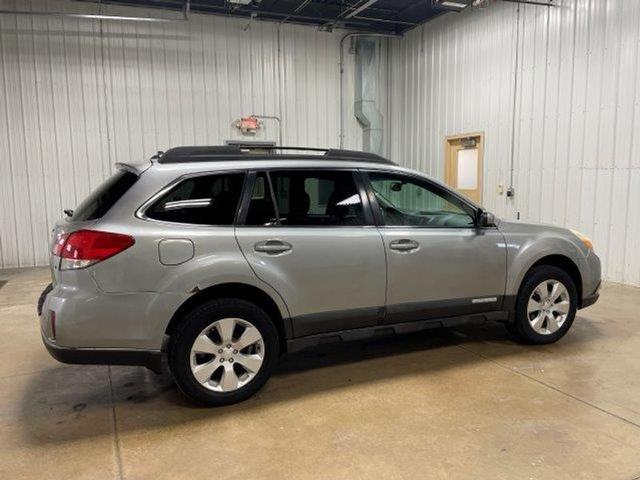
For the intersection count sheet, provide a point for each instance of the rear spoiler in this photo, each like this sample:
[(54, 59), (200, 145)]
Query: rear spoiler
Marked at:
[(136, 168)]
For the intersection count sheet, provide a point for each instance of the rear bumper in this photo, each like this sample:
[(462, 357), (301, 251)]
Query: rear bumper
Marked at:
[(86, 318), (152, 359)]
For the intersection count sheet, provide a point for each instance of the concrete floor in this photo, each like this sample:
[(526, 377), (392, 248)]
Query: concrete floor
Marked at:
[(464, 403)]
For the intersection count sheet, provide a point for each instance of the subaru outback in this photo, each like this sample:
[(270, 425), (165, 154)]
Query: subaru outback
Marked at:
[(221, 259)]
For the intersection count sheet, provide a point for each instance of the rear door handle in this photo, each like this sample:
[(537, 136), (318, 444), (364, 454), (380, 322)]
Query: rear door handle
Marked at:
[(404, 245), (272, 247)]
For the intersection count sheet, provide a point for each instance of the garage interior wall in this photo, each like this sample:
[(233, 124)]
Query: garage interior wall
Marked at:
[(576, 124), (77, 96)]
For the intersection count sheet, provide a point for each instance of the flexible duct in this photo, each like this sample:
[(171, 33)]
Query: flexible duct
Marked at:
[(366, 84)]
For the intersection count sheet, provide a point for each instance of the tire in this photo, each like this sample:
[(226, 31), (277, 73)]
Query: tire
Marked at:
[(235, 375), (528, 326)]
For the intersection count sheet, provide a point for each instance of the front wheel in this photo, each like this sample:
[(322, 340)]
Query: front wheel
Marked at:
[(223, 352), (546, 306)]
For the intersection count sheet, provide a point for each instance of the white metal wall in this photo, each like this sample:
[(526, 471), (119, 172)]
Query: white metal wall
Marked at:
[(76, 96), (577, 113)]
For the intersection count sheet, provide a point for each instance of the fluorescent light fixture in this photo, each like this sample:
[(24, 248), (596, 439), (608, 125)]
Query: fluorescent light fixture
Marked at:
[(361, 8), (456, 5)]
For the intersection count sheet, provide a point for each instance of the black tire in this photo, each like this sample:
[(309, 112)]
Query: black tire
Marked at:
[(193, 324), (521, 328), (43, 297)]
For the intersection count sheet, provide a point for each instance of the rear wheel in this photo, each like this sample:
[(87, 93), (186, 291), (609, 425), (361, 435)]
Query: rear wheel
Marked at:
[(223, 351), (546, 305)]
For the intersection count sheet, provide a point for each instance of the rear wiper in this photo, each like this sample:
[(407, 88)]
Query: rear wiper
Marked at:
[(157, 155), (68, 212)]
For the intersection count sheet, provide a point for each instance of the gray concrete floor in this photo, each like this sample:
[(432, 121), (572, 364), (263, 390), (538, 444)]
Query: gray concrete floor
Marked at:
[(464, 403)]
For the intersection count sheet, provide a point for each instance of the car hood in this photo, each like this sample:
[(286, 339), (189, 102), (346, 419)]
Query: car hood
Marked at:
[(507, 226)]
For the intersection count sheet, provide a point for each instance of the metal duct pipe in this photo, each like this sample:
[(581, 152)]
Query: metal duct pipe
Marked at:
[(366, 110), (512, 153), (345, 37)]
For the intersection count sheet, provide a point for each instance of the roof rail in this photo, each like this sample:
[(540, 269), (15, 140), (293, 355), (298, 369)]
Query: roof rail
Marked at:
[(262, 152), (195, 154), (357, 155)]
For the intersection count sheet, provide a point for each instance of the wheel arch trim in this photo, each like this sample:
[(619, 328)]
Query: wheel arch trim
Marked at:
[(270, 303), (559, 260)]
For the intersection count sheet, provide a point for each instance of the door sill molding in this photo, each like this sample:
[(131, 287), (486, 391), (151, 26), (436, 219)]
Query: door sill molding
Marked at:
[(310, 341)]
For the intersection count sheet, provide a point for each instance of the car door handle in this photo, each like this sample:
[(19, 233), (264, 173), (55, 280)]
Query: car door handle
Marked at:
[(272, 247), (404, 245)]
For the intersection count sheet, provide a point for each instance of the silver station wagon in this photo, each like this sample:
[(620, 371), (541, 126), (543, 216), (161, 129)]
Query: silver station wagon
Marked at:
[(223, 258)]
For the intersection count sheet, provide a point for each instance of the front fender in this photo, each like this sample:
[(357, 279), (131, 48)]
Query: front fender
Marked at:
[(526, 247)]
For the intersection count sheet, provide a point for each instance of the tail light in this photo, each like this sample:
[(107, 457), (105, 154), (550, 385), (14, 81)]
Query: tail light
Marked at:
[(86, 247), (61, 238)]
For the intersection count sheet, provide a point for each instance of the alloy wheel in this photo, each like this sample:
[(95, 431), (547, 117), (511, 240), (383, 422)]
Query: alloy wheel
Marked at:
[(227, 354), (548, 307)]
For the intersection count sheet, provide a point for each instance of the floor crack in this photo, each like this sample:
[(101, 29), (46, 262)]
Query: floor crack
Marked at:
[(116, 434), (556, 389)]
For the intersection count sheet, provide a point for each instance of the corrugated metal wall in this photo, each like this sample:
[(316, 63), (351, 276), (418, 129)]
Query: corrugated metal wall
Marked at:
[(76, 96), (577, 113)]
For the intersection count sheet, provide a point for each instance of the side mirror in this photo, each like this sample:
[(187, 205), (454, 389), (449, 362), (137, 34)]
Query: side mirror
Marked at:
[(485, 219)]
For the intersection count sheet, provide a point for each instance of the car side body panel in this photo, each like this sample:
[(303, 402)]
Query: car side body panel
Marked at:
[(128, 300), (332, 278), (528, 243), (462, 269)]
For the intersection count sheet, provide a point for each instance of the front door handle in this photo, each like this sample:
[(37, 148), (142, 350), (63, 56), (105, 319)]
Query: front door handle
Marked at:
[(404, 245), (272, 247)]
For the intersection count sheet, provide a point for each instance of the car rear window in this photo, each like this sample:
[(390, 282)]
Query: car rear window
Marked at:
[(105, 196), (202, 200)]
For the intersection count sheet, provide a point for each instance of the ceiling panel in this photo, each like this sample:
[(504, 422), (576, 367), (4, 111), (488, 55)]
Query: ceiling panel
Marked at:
[(382, 16)]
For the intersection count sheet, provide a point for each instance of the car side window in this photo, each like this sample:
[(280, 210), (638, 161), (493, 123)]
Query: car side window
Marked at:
[(305, 198), (407, 201), (202, 200), (261, 210)]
